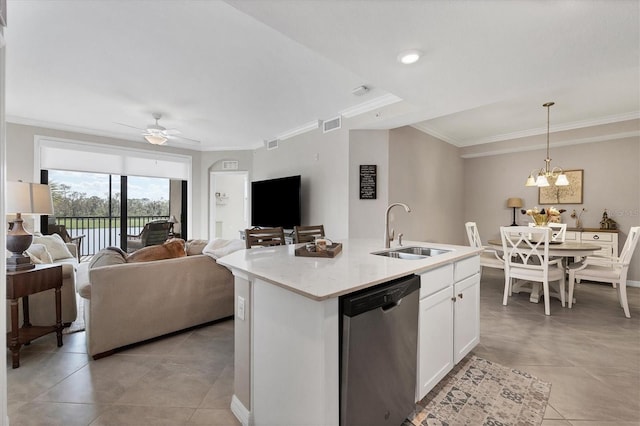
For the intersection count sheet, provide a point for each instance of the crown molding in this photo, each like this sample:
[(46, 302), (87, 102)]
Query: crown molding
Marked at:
[(602, 138), (364, 107), (557, 128), (531, 132), (307, 127)]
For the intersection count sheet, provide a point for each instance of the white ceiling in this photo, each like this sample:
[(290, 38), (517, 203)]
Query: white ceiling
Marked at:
[(233, 74)]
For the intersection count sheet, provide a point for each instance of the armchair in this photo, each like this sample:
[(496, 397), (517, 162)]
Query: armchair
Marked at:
[(596, 269), (153, 233)]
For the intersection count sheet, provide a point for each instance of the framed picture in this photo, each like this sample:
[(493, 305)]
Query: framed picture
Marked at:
[(571, 194)]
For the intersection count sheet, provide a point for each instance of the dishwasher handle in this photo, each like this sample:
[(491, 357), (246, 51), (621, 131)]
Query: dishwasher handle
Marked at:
[(385, 296)]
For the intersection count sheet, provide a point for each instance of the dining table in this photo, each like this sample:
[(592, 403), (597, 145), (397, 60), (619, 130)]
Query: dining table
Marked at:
[(564, 249)]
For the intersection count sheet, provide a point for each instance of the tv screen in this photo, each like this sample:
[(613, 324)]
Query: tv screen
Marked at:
[(276, 202)]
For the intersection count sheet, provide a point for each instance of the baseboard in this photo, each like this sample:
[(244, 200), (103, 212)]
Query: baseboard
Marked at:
[(633, 283), (240, 411)]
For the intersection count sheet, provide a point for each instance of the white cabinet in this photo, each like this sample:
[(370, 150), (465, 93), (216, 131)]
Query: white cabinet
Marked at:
[(608, 240), (435, 340), (449, 320), (466, 319)]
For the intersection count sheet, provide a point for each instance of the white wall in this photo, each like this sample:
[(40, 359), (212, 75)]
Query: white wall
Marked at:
[(323, 162), (366, 217), (427, 174), (611, 181), (4, 419)]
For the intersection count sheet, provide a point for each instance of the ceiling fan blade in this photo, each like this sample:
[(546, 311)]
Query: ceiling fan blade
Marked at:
[(185, 140), (127, 125), (172, 132)]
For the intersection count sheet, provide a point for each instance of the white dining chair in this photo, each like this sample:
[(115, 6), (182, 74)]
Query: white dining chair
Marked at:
[(526, 254), (489, 257), (558, 230), (615, 272)]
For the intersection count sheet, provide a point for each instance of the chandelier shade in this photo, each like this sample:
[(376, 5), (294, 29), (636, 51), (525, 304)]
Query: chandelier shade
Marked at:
[(540, 178)]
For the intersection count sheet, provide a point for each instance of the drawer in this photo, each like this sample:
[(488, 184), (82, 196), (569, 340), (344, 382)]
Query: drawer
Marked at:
[(571, 236), (466, 267), (597, 236), (435, 280)]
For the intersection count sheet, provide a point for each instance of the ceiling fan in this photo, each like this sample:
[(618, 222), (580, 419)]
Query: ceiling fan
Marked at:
[(158, 135)]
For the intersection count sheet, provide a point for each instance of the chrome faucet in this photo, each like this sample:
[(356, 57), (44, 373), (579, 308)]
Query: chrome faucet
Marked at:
[(388, 236)]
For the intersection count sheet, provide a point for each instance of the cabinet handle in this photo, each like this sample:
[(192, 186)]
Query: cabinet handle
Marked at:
[(596, 237), (453, 298), (460, 295)]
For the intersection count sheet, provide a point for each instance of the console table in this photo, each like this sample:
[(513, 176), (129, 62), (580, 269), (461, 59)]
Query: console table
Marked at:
[(20, 284), (607, 239)]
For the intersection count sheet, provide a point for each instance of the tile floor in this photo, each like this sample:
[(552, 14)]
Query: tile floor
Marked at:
[(590, 354)]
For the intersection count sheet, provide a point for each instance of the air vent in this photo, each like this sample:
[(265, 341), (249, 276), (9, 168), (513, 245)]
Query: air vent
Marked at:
[(272, 144), (331, 124), (229, 165)]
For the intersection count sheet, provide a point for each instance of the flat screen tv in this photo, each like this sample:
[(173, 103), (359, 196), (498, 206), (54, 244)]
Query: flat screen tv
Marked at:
[(276, 202)]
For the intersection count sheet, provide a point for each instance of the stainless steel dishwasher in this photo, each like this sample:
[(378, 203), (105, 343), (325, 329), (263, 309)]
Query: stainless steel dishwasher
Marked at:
[(379, 353)]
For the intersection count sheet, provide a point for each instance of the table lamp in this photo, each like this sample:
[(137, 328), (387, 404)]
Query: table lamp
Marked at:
[(24, 198), (514, 203)]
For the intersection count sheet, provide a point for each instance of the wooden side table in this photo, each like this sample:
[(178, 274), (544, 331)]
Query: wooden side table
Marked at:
[(20, 284)]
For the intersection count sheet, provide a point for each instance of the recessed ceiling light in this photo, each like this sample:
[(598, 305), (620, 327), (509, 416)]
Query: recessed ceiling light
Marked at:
[(409, 56)]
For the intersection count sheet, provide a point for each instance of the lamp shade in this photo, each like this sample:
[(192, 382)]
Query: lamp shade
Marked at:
[(156, 139), (29, 198), (514, 202)]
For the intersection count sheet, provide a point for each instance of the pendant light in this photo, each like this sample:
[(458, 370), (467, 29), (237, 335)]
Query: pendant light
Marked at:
[(546, 173)]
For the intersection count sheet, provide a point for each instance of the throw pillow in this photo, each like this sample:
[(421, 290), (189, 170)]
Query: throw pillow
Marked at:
[(38, 254), (169, 250), (194, 247), (219, 247), (55, 246), (108, 256)]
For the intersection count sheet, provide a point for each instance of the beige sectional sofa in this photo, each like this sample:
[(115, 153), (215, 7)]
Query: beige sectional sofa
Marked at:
[(132, 302)]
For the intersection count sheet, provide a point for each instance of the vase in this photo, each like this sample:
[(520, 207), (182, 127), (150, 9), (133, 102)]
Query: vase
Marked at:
[(540, 220)]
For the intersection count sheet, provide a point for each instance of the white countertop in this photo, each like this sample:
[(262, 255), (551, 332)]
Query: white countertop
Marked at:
[(353, 269)]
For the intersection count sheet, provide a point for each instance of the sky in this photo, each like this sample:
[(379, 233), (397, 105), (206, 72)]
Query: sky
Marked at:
[(98, 184)]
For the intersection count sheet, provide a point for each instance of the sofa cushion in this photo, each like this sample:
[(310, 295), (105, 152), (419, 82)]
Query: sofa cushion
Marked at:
[(38, 253), (108, 256), (193, 247), (55, 246), (169, 250)]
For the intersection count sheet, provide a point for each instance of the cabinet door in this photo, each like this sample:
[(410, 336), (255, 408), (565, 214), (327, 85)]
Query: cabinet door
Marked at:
[(435, 340), (466, 316)]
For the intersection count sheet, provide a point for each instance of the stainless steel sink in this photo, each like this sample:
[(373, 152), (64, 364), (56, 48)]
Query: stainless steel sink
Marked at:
[(422, 251), (400, 255), (411, 253)]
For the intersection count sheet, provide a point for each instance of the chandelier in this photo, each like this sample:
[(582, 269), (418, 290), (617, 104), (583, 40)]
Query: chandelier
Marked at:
[(546, 173)]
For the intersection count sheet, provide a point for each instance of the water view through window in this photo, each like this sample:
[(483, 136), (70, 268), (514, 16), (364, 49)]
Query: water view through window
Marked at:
[(89, 204)]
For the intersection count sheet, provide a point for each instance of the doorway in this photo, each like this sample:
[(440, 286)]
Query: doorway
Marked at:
[(228, 204)]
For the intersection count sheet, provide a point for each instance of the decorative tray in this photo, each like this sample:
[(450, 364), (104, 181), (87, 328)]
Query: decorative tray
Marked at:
[(331, 251)]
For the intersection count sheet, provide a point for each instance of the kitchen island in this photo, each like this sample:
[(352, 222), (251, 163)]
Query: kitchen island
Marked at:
[(287, 338)]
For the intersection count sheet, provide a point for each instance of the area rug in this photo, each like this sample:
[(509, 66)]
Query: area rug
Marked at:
[(78, 324), (481, 392)]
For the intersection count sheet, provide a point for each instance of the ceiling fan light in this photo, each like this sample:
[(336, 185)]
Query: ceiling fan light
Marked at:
[(156, 139), (542, 181), (562, 180)]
